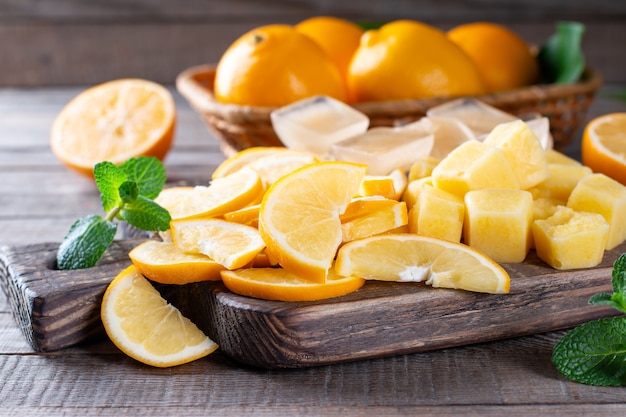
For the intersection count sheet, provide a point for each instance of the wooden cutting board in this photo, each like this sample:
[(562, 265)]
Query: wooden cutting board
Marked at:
[(56, 309)]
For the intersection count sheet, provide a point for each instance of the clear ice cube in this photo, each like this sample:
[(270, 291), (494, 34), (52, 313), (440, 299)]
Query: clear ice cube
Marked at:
[(315, 123)]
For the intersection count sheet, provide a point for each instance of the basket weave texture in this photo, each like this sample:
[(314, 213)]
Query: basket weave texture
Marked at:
[(241, 127)]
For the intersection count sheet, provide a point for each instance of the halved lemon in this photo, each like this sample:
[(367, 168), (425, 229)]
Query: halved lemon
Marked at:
[(604, 146), (114, 121)]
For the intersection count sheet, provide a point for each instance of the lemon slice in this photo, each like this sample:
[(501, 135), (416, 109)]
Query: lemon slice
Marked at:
[(146, 328), (413, 258), (165, 263), (232, 245), (222, 195), (282, 285), (299, 216)]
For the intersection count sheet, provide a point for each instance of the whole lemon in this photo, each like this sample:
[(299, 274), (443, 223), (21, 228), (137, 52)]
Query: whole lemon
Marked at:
[(406, 59), (273, 66), (503, 58), (339, 38)]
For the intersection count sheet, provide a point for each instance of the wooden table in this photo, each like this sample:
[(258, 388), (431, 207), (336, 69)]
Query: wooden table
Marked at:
[(39, 198)]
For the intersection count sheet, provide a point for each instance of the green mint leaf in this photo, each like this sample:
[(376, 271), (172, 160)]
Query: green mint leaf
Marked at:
[(619, 275), (561, 58), (149, 174), (129, 191), (145, 214), (613, 300), (108, 178), (594, 353), (85, 242)]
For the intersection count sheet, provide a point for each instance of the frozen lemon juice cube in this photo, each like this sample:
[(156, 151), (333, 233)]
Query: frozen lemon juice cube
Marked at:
[(571, 239), (314, 124), (498, 222)]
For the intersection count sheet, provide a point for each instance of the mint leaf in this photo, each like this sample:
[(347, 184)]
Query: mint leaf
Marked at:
[(108, 178), (145, 214), (561, 58), (594, 353), (86, 242), (128, 191), (148, 173), (619, 275)]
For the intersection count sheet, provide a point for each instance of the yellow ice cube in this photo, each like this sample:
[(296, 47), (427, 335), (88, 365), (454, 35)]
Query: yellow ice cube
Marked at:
[(561, 181), (473, 166), (422, 167), (413, 189), (498, 222), (600, 194), (555, 157), (571, 239), (522, 149), (437, 214)]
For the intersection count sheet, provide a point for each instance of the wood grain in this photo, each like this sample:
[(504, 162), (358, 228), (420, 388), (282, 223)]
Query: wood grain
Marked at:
[(57, 309), (70, 42)]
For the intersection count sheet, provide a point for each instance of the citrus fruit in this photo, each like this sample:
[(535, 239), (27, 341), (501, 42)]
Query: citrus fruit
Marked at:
[(338, 37), (410, 60), (362, 206), (248, 215), (222, 195), (376, 222), (145, 327), (280, 284), (113, 122), (604, 145), (165, 263), (270, 168), (413, 258), (273, 66), (230, 244), (299, 216), (505, 61), (246, 156)]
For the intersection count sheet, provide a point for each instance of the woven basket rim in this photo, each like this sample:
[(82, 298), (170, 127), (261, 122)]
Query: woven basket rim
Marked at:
[(196, 85)]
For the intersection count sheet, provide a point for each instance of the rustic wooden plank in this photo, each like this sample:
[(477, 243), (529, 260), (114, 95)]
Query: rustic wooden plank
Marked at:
[(50, 316), (277, 334)]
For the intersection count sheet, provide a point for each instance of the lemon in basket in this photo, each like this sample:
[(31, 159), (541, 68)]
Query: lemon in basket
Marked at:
[(273, 66), (406, 59), (503, 58)]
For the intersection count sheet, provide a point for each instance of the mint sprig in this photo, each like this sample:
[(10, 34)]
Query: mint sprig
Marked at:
[(127, 192), (594, 353)]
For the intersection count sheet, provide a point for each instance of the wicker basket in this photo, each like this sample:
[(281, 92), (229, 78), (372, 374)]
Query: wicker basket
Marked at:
[(241, 127)]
